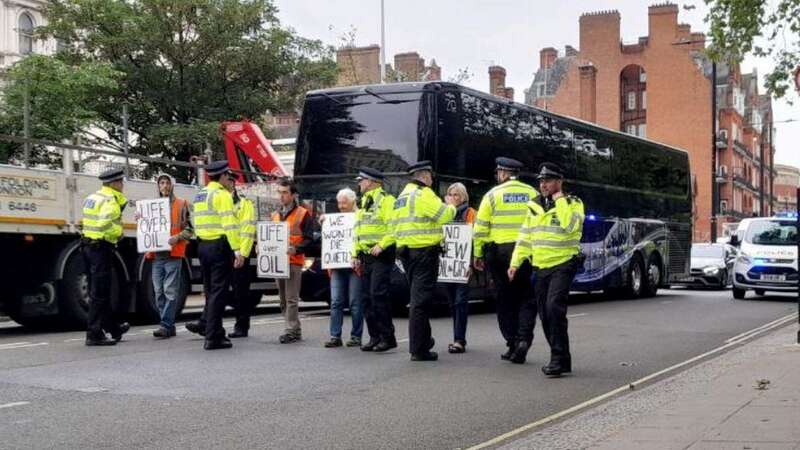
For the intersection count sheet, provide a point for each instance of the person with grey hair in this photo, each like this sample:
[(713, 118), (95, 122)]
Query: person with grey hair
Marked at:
[(457, 293), (345, 289)]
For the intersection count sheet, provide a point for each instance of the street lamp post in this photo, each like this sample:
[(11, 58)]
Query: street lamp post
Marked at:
[(383, 45), (714, 196)]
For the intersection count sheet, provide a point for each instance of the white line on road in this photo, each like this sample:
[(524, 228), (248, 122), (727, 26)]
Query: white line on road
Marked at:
[(402, 340), (622, 389), (577, 315), (17, 345), (762, 327), (11, 405)]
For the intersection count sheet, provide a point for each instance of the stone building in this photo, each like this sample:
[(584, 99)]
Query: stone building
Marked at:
[(786, 183), (19, 18), (659, 87)]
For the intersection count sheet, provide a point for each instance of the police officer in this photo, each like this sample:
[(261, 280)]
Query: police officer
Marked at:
[(218, 233), (551, 238), (102, 229), (245, 212), (500, 215), (373, 258), (418, 218)]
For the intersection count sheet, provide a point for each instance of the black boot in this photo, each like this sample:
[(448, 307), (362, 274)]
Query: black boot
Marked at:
[(520, 352), (386, 344), (196, 328), (555, 369), (123, 328), (237, 333), (507, 355), (217, 344), (370, 346), (99, 340), (429, 356)]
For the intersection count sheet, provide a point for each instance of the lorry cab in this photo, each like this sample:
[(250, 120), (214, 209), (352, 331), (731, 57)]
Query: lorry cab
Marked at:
[(767, 259)]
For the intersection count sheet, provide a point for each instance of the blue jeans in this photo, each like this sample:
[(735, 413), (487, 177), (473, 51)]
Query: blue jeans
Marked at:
[(346, 288), (459, 307), (166, 285)]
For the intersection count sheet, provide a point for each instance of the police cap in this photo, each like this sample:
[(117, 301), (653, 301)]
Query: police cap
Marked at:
[(512, 165), (549, 170), (112, 175), (422, 165), (368, 173), (217, 168)]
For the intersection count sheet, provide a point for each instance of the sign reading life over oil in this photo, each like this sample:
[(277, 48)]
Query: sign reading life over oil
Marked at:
[(153, 228), (273, 247), (456, 254), (337, 240)]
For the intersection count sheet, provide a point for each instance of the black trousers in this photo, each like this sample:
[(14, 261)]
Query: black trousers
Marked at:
[(375, 289), (422, 269), (98, 258), (511, 295), (242, 301), (216, 259), (552, 293)]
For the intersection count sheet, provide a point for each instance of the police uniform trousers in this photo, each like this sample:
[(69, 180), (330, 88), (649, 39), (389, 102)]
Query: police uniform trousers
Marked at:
[(552, 293), (98, 259), (242, 299), (511, 295), (422, 269), (375, 292), (216, 258)]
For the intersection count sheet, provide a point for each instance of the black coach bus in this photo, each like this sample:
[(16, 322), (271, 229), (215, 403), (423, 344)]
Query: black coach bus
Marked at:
[(637, 193)]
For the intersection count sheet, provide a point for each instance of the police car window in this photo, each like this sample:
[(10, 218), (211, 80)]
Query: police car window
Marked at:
[(767, 232)]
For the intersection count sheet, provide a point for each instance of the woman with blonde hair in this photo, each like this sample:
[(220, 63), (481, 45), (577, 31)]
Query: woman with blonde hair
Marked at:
[(459, 293)]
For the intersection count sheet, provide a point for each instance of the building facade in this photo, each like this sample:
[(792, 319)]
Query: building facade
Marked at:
[(659, 87), (19, 19), (786, 183), (361, 65)]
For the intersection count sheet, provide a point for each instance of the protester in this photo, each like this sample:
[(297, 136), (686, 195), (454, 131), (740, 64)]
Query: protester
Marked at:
[(458, 293)]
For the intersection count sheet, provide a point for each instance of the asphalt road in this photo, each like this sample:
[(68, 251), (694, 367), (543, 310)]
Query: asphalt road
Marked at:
[(54, 392)]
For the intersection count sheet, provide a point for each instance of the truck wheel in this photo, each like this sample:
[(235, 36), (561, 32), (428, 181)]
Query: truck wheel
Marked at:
[(146, 305), (73, 294), (760, 292), (652, 277), (636, 278), (49, 322), (739, 294)]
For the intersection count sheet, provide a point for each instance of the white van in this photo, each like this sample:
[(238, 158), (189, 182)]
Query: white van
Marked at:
[(767, 258)]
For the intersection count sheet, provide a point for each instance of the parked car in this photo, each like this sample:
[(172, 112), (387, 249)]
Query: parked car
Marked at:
[(711, 266), (767, 259)]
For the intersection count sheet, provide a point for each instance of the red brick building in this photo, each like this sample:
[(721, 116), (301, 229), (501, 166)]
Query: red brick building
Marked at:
[(361, 65), (497, 83), (786, 184), (659, 87)]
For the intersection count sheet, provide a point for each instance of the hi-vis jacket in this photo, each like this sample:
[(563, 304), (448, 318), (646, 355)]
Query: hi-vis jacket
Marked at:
[(245, 213), (102, 215), (418, 217), (373, 221), (213, 215), (501, 213), (551, 233)]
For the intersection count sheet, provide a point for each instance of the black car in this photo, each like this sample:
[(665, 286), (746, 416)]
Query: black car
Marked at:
[(712, 266)]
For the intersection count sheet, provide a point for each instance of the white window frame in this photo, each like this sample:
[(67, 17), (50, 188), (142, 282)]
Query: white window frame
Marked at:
[(644, 100), (642, 131), (630, 101), (27, 44), (631, 129)]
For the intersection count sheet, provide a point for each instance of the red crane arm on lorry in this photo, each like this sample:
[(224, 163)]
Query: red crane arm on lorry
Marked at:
[(244, 142)]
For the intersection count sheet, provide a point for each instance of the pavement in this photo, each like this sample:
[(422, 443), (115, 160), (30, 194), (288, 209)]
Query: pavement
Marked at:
[(747, 398)]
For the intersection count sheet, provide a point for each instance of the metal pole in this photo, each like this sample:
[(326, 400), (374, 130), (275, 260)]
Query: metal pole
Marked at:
[(383, 44), (771, 162), (26, 126), (761, 186), (797, 260), (714, 200), (125, 139)]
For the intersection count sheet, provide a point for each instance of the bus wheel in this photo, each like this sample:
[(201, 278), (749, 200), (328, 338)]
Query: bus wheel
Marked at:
[(636, 278), (739, 294), (760, 292), (653, 277)]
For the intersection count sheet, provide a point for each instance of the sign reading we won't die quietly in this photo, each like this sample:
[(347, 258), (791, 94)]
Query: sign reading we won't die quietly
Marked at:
[(153, 227), (337, 240), (457, 251), (273, 245)]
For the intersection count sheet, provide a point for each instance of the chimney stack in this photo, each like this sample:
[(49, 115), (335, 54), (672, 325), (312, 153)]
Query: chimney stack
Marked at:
[(547, 57)]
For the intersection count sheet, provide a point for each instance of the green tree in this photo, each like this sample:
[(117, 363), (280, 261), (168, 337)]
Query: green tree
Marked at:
[(189, 65), (738, 25), (63, 100)]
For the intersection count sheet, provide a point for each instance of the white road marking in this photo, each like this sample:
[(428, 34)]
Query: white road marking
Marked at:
[(402, 340), (22, 345), (74, 339), (622, 389), (577, 315), (11, 405)]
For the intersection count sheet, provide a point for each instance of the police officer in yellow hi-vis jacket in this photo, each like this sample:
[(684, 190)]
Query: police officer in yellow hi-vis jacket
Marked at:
[(418, 218), (102, 229), (500, 215), (373, 258), (243, 304), (550, 238), (218, 234)]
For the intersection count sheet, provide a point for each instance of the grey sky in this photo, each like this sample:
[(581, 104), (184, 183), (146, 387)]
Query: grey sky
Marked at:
[(478, 33)]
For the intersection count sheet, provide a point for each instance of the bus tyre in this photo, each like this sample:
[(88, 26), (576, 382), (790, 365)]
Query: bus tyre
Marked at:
[(760, 292), (73, 293), (634, 287), (653, 277), (146, 305), (738, 294)]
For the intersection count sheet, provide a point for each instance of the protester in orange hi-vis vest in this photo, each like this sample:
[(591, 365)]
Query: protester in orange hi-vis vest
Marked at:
[(458, 294), (168, 265), (300, 237)]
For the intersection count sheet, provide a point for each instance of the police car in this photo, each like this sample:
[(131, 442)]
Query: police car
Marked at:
[(767, 259)]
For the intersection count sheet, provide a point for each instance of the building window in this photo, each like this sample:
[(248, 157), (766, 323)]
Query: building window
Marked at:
[(631, 129), (642, 130), (632, 91), (631, 101), (25, 29), (735, 131), (644, 99)]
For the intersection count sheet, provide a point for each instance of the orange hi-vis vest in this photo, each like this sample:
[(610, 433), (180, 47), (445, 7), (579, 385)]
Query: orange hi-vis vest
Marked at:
[(294, 220), (179, 249)]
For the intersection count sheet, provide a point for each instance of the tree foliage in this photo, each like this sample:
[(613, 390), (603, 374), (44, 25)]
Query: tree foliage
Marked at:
[(738, 26), (188, 65)]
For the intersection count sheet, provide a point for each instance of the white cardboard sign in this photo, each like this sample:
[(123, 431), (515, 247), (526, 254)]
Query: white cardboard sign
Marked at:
[(454, 262), (153, 227), (273, 245), (337, 240)]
